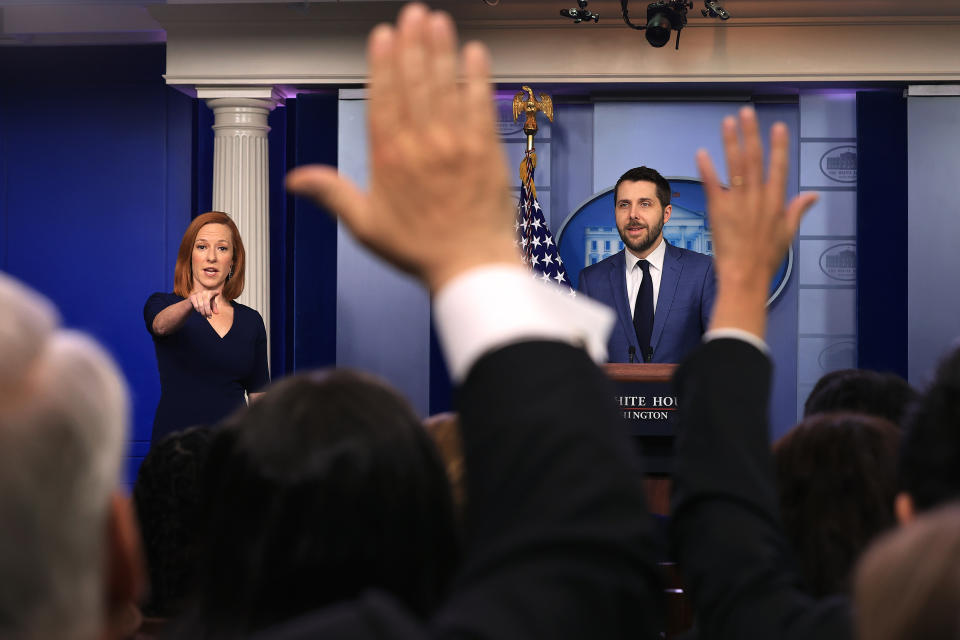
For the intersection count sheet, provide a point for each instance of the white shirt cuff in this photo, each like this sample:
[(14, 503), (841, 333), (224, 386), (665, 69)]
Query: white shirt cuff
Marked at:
[(737, 334), (495, 305)]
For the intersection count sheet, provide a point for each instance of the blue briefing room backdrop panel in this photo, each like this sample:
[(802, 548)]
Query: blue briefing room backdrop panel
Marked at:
[(96, 192), (827, 255), (383, 316)]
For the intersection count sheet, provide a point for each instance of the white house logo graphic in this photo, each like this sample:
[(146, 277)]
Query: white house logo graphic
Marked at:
[(505, 125), (839, 355), (840, 262), (840, 164)]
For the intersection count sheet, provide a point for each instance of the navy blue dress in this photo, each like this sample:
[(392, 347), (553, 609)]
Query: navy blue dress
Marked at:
[(203, 377)]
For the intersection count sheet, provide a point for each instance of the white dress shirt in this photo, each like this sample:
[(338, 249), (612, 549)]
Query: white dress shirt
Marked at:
[(635, 274), (495, 305)]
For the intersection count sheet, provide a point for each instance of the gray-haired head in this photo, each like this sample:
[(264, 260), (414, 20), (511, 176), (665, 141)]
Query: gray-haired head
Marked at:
[(63, 412)]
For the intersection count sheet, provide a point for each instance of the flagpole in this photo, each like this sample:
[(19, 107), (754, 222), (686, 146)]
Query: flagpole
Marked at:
[(537, 248)]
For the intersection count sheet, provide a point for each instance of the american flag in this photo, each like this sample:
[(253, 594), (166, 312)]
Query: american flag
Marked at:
[(533, 236)]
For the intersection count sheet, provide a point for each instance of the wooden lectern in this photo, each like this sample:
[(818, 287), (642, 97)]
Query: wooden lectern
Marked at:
[(648, 406)]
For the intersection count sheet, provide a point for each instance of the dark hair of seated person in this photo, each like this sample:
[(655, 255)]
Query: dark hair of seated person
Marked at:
[(930, 455), (166, 495), (325, 487), (886, 395), (837, 479)]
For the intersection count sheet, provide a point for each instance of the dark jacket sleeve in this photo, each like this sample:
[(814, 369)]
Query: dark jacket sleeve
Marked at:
[(558, 540), (727, 532), (582, 282), (558, 543), (707, 297)]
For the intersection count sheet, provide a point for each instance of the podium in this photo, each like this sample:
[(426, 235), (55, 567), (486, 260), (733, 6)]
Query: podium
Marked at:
[(644, 396)]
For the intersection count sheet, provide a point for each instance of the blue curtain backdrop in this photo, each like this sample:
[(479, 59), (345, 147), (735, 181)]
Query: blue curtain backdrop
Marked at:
[(882, 206), (96, 191)]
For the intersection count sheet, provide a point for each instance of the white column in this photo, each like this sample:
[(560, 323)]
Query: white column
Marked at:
[(241, 179)]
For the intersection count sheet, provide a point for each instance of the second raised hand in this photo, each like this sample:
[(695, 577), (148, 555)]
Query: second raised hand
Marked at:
[(751, 224)]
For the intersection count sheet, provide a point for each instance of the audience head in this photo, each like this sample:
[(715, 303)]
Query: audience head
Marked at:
[(863, 391), (444, 428), (908, 583), (837, 478), (183, 271), (325, 487), (69, 559), (167, 500), (930, 456)]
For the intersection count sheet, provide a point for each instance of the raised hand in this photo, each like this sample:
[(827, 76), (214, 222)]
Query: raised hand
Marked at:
[(438, 193), (752, 226)]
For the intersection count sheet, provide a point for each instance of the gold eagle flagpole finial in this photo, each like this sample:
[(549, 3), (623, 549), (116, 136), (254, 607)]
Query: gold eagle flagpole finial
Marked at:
[(530, 105)]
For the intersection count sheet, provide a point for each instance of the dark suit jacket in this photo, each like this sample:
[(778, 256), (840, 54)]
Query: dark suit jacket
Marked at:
[(687, 289), (726, 524), (557, 537)]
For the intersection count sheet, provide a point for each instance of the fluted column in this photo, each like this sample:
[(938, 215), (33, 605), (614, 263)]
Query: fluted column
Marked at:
[(241, 180)]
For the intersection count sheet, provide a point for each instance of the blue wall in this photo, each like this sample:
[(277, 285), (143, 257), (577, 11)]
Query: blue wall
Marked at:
[(383, 315), (96, 191)]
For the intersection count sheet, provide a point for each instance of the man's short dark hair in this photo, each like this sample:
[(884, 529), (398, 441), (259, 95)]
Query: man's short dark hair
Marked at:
[(837, 479), (930, 454), (886, 395), (646, 174), (167, 498), (325, 487)]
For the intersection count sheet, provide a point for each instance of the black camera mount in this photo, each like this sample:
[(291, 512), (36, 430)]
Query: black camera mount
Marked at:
[(663, 16), (580, 15)]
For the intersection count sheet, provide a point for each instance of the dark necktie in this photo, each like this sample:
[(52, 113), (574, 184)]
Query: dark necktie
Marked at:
[(643, 311)]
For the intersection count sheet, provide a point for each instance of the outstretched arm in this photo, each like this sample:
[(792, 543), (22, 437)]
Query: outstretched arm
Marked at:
[(726, 524), (751, 223), (555, 548), (172, 317)]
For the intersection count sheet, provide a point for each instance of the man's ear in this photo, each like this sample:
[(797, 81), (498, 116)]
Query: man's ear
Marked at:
[(667, 210), (903, 508), (125, 578)]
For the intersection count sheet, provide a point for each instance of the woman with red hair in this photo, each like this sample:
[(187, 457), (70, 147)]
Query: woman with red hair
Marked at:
[(211, 350)]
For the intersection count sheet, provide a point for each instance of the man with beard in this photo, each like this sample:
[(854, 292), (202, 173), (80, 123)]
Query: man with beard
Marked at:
[(662, 294)]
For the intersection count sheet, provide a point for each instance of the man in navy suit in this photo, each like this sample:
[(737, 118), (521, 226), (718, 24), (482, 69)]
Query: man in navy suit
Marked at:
[(662, 294)]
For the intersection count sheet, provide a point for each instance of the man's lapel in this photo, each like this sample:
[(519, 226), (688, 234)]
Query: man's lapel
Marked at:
[(618, 283), (669, 279)]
